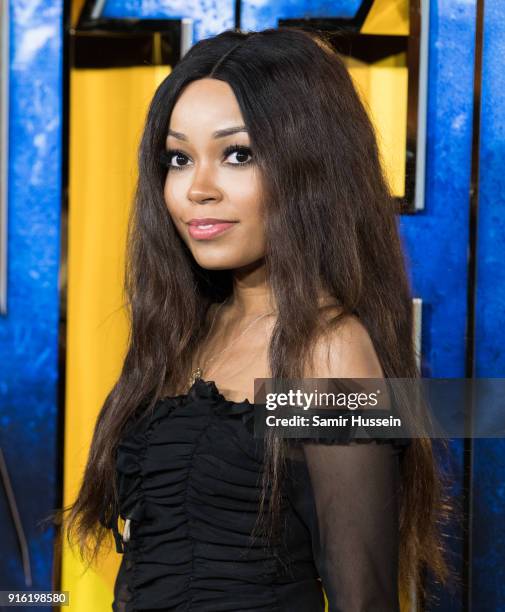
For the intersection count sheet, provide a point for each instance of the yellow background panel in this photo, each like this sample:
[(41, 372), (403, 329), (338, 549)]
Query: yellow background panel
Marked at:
[(387, 17), (107, 113), (76, 7), (383, 90)]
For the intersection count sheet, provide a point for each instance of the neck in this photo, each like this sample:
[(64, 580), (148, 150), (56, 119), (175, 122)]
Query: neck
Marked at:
[(252, 293)]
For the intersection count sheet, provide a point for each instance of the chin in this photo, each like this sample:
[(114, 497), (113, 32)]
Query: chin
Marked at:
[(218, 263), (216, 267), (223, 263)]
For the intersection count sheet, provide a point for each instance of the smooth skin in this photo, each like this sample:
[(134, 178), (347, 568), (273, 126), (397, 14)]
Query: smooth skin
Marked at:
[(205, 181)]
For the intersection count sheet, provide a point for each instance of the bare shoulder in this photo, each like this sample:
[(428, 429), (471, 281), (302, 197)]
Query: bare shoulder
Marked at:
[(344, 351)]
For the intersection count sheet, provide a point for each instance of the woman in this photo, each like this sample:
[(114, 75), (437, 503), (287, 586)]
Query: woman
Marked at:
[(262, 243)]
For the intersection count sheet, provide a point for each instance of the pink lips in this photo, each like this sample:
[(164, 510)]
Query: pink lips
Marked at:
[(202, 229)]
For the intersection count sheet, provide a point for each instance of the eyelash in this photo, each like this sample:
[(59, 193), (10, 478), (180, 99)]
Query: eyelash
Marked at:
[(166, 156)]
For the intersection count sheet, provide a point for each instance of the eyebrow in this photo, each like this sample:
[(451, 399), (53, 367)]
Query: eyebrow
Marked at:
[(217, 134)]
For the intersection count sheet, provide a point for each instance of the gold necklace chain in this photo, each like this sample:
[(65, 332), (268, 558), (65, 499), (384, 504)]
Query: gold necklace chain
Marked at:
[(198, 372)]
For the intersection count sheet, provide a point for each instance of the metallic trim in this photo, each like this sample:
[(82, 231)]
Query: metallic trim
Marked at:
[(186, 35), (417, 307), (422, 106), (417, 328), (16, 518), (96, 11)]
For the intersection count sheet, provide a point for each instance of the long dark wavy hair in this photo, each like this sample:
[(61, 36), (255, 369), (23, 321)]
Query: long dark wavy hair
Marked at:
[(331, 223)]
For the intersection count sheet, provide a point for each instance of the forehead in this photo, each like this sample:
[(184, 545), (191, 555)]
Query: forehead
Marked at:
[(205, 104)]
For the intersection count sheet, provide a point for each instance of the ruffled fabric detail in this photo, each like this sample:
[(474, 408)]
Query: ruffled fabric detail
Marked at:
[(134, 445), (189, 479)]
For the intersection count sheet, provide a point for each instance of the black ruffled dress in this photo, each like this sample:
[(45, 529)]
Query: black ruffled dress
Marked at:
[(189, 478)]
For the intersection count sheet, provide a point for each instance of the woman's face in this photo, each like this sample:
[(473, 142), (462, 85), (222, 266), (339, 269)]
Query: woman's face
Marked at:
[(213, 175)]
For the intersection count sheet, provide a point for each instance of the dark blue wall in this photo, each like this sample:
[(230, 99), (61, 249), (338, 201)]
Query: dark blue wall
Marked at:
[(488, 524), (29, 331)]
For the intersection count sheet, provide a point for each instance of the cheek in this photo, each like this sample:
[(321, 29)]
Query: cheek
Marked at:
[(246, 195), (172, 194), (251, 242), (247, 199), (175, 207)]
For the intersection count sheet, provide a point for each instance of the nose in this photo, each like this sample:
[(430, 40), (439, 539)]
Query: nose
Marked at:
[(203, 187)]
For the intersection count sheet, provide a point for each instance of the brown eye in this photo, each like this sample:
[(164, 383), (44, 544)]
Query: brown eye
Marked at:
[(242, 155), (174, 159)]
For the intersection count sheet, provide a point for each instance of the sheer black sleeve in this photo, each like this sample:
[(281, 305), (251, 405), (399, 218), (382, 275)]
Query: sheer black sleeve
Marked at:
[(348, 495)]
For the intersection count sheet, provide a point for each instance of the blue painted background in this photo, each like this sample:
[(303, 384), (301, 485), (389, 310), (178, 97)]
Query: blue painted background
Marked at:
[(29, 332), (261, 14)]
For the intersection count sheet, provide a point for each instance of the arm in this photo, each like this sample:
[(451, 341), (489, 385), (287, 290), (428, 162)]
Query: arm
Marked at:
[(353, 520), (351, 504)]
